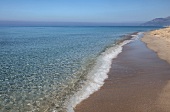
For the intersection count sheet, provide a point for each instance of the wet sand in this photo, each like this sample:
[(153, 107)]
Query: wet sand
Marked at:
[(135, 84), (159, 41)]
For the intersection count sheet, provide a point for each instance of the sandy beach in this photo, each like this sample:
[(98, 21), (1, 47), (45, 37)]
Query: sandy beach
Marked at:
[(138, 79), (159, 41)]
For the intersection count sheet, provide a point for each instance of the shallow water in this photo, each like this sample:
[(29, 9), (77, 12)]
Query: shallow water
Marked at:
[(41, 66)]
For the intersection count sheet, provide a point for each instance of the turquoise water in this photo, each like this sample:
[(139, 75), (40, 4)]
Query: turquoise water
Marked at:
[(41, 67)]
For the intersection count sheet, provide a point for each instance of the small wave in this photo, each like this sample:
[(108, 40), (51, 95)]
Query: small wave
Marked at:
[(96, 77)]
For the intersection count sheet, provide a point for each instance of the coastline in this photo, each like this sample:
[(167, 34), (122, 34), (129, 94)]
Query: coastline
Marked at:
[(83, 56), (99, 73), (135, 84), (159, 41)]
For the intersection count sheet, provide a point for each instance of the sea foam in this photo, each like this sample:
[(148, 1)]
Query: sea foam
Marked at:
[(96, 77)]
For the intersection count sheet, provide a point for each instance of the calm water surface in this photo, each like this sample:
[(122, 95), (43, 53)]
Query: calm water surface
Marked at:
[(41, 66)]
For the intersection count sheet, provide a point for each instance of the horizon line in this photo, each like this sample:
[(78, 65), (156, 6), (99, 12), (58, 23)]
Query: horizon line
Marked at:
[(57, 23)]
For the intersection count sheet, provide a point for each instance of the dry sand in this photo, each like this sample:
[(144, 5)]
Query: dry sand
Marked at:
[(137, 82), (159, 41)]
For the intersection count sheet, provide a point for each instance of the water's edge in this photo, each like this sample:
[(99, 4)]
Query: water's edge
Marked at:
[(98, 74)]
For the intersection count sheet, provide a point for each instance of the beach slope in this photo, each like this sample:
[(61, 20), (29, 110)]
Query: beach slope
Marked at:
[(137, 82), (159, 41)]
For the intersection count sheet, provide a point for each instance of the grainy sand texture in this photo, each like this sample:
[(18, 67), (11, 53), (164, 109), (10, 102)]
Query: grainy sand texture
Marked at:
[(138, 82), (159, 41)]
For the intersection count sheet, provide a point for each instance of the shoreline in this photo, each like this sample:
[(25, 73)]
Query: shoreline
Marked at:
[(159, 41), (99, 73), (146, 89)]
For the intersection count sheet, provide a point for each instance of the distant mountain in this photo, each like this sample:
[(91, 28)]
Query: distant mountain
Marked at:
[(158, 22)]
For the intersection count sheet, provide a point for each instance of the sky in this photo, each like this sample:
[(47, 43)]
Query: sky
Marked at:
[(96, 11)]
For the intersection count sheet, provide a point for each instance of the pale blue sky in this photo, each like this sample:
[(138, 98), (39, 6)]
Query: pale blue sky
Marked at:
[(114, 11)]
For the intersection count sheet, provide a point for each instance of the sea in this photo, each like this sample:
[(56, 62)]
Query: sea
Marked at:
[(52, 69)]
